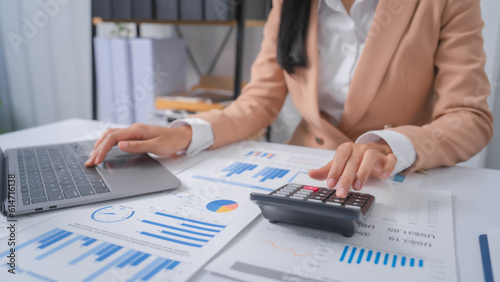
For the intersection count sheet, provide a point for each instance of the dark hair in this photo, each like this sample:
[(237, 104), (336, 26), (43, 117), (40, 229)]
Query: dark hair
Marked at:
[(292, 34)]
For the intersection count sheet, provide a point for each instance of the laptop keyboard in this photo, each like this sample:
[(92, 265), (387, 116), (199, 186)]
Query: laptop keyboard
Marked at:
[(54, 173)]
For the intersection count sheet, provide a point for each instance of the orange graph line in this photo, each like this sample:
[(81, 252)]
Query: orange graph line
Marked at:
[(286, 250)]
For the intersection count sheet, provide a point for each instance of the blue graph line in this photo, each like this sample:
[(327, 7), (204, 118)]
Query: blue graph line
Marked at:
[(55, 240), (190, 220), (140, 259), (170, 239), (50, 238), (262, 172), (232, 183), (109, 266), (146, 269), (231, 167), (352, 254), (238, 168), (129, 259), (173, 265), (58, 248), (360, 257), (108, 247), (156, 270), (201, 228), (183, 236), (89, 242), (88, 253), (344, 253), (370, 252), (271, 173), (177, 228), (36, 239), (109, 253), (377, 257)]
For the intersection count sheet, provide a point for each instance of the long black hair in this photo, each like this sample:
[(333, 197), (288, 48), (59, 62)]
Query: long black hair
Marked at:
[(292, 34)]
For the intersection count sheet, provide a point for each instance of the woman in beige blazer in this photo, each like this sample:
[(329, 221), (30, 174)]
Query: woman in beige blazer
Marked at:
[(420, 74)]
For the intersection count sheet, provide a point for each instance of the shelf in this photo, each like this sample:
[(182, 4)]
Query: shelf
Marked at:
[(248, 23)]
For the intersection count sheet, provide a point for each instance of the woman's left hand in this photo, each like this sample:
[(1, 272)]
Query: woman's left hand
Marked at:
[(353, 163)]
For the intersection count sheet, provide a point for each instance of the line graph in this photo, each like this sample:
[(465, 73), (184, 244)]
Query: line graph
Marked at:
[(285, 249)]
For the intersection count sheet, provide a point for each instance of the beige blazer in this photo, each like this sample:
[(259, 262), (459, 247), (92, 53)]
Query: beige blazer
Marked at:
[(421, 72)]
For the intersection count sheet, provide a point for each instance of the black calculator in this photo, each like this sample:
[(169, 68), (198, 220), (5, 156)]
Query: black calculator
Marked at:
[(316, 207)]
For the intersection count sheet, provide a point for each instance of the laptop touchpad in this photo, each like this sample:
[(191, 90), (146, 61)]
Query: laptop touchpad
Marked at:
[(135, 171)]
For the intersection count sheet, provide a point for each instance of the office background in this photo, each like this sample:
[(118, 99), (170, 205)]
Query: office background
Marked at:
[(45, 64)]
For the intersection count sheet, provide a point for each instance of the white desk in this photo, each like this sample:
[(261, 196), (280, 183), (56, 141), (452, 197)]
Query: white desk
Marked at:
[(475, 191)]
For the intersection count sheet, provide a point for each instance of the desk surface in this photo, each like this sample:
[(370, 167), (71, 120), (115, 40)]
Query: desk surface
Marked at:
[(474, 191)]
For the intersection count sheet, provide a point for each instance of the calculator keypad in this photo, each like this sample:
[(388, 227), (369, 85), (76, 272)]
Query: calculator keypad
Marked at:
[(353, 200)]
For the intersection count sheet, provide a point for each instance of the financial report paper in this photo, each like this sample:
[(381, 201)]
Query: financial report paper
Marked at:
[(163, 237), (171, 235), (407, 237)]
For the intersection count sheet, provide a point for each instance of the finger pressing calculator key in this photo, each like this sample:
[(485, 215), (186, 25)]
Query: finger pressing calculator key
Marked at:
[(315, 207)]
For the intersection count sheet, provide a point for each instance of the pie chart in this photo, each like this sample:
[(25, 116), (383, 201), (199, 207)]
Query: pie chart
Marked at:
[(222, 206)]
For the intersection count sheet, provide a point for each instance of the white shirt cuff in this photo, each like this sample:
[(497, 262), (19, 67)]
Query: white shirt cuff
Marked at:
[(203, 136), (400, 146)]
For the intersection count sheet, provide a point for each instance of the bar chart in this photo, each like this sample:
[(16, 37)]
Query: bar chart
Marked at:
[(90, 259), (247, 180), (271, 173), (260, 154), (355, 255), (238, 168), (181, 230)]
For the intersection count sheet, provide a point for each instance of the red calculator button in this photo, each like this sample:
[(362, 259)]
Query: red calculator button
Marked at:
[(312, 188)]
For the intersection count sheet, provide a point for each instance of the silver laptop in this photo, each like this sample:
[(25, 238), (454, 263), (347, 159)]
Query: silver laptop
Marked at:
[(35, 179)]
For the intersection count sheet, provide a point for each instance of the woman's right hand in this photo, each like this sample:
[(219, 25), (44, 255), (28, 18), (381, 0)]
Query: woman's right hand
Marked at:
[(141, 138)]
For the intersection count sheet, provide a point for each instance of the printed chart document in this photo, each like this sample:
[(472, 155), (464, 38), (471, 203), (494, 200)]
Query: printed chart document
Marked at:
[(169, 236), (163, 237), (263, 167), (24, 221), (407, 237)]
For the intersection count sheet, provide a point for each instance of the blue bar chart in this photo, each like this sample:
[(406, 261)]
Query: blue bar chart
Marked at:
[(181, 230), (93, 258), (354, 255), (247, 180), (271, 173), (238, 168)]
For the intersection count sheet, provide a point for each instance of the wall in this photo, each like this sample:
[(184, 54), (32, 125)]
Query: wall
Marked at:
[(491, 34), (489, 157), (46, 60)]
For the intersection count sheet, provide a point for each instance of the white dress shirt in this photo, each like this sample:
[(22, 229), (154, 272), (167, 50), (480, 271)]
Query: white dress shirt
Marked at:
[(341, 39)]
